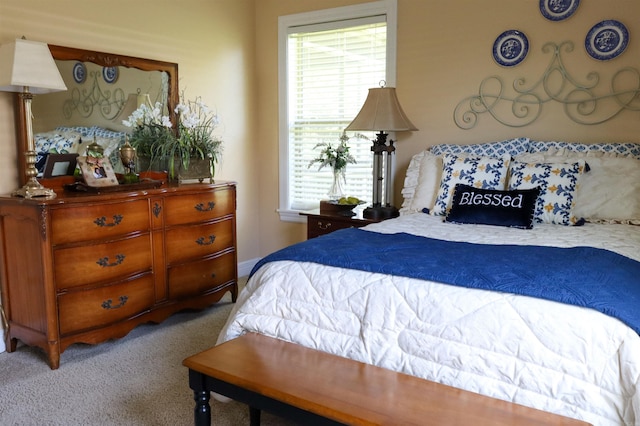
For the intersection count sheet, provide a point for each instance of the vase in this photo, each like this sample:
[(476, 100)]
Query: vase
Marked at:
[(336, 192), (145, 164), (198, 169)]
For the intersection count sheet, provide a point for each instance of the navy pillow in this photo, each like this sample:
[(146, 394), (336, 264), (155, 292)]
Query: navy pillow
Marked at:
[(493, 207)]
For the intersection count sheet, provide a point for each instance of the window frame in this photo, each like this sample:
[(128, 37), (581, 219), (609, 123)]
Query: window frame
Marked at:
[(381, 7)]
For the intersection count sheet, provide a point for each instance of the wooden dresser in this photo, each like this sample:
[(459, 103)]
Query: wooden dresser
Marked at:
[(88, 268)]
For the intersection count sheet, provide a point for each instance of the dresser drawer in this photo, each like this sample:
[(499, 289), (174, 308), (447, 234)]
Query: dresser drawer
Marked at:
[(98, 307), (77, 266), (197, 277), (190, 242), (317, 226), (202, 207), (85, 223)]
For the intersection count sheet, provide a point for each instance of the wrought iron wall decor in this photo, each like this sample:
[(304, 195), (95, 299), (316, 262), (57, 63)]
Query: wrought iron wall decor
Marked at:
[(581, 102), (83, 102)]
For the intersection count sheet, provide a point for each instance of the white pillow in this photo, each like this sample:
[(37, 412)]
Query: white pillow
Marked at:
[(610, 189), (411, 182), (479, 172), (558, 183), (109, 145), (564, 152), (429, 177)]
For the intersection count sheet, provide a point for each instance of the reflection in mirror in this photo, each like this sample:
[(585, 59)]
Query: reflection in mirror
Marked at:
[(96, 97), (103, 90)]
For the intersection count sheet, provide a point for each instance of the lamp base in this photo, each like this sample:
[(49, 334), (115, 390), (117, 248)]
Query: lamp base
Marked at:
[(34, 189), (380, 212)]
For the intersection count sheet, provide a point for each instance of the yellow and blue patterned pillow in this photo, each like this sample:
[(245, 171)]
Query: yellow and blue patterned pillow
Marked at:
[(558, 183), (479, 172)]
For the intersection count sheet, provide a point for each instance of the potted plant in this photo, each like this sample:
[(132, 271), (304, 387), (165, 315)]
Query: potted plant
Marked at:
[(190, 153), (150, 130), (337, 158)]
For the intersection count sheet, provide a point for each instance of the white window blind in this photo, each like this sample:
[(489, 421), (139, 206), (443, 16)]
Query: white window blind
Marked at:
[(330, 68)]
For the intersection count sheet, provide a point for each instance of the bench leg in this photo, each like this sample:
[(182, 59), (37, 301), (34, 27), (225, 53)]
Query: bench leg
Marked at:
[(202, 411), (254, 416)]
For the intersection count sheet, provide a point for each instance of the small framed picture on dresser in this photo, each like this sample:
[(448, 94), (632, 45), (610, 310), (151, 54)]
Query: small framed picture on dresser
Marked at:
[(97, 171), (59, 165)]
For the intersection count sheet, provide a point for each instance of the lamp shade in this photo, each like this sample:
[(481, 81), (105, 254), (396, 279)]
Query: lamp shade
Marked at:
[(26, 63), (381, 111)]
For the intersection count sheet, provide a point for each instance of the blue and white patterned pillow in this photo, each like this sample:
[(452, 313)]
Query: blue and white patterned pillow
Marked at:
[(88, 133), (558, 183), (621, 149), (479, 172), (84, 131), (511, 147), (57, 142)]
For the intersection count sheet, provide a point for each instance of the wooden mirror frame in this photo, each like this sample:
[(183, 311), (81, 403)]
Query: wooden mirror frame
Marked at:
[(105, 60)]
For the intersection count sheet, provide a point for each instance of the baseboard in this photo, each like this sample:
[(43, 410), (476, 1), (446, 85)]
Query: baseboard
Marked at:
[(2, 346), (244, 268)]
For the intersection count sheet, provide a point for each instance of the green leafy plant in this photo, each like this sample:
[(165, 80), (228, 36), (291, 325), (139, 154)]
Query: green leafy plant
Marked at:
[(337, 158), (150, 130), (153, 136)]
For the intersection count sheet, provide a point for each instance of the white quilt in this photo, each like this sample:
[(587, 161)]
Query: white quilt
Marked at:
[(564, 359)]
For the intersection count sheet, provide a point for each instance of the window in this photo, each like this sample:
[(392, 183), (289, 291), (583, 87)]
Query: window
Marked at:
[(328, 61)]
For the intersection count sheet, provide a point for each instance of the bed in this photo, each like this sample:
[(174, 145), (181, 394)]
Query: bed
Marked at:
[(531, 300), (74, 140)]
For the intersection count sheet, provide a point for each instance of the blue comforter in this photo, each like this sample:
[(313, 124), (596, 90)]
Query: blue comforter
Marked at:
[(582, 276)]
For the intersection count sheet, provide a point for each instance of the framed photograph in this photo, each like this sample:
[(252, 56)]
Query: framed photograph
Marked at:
[(59, 165), (97, 171)]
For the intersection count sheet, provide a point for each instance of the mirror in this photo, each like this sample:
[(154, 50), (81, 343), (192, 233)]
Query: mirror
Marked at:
[(102, 90)]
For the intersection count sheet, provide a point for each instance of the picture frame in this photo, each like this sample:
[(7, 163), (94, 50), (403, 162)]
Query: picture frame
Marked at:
[(59, 165), (97, 171)]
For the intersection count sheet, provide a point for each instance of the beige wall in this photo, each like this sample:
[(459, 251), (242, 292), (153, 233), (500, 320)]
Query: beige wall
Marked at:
[(444, 52), (227, 52)]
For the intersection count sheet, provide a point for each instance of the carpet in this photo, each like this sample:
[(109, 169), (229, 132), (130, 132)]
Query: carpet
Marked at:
[(136, 380)]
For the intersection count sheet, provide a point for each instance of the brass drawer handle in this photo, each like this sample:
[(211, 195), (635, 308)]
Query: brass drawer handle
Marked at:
[(107, 303), (324, 227), (202, 241), (201, 208), (104, 262), (102, 221)]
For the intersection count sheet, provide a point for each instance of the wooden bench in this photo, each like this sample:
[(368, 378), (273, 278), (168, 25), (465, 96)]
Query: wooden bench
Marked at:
[(317, 388)]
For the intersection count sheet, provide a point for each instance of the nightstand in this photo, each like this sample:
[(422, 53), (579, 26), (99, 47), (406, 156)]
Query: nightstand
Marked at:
[(324, 223)]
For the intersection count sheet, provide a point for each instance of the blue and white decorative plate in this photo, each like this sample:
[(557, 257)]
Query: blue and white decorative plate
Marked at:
[(79, 72), (558, 10), (606, 40), (110, 74), (510, 48)]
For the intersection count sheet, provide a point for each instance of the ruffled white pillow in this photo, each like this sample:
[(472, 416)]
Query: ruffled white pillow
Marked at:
[(411, 182), (429, 176)]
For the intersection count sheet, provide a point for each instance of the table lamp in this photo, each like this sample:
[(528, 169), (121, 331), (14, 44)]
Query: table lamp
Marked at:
[(381, 112), (27, 67)]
